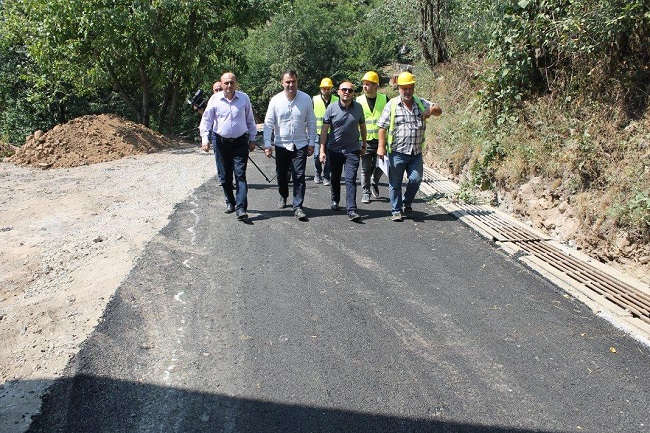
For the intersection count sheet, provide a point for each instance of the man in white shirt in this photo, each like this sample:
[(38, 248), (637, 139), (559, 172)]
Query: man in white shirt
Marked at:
[(290, 120)]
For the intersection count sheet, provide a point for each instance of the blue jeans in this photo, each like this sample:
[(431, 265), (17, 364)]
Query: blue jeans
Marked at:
[(234, 155), (413, 166), (295, 161), (351, 163), (217, 158)]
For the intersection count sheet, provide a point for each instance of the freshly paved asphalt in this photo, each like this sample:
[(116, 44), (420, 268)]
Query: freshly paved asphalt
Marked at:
[(278, 325)]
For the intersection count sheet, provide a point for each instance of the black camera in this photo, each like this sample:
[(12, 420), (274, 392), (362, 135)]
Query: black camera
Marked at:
[(198, 101)]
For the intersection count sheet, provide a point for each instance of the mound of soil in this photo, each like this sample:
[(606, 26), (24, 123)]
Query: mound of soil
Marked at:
[(88, 140), (6, 149)]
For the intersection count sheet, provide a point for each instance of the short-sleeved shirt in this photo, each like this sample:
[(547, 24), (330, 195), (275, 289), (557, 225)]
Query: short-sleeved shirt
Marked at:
[(409, 128), (344, 126)]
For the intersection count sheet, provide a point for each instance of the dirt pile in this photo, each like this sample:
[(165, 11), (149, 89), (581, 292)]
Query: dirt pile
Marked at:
[(88, 140), (6, 149)]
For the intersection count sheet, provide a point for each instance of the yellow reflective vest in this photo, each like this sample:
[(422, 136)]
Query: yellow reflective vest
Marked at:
[(372, 116), (319, 110), (391, 128)]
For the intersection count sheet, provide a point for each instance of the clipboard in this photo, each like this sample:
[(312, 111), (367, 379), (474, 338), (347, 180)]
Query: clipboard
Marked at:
[(383, 164)]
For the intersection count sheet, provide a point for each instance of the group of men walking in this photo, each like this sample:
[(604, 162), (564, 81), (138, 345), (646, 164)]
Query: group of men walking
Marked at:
[(349, 133)]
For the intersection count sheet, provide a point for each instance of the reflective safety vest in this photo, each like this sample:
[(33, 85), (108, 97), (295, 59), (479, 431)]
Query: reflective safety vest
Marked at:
[(319, 110), (372, 116), (391, 127)]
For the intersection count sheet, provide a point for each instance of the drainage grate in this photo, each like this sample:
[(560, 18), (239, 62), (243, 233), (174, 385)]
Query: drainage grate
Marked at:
[(502, 228), (625, 296), (439, 183)]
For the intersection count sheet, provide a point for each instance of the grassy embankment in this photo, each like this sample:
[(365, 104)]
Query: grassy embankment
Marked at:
[(578, 169)]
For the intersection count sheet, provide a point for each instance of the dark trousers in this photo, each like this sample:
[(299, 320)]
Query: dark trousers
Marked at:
[(370, 173), (351, 163), (217, 157), (234, 156), (321, 169), (294, 162)]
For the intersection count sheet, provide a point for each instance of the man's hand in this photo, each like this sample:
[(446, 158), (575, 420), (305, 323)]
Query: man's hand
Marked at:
[(310, 150), (381, 147), (205, 146), (322, 157), (268, 151), (251, 146)]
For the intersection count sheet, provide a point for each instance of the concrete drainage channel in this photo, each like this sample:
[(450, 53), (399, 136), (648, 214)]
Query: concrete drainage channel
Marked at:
[(622, 300)]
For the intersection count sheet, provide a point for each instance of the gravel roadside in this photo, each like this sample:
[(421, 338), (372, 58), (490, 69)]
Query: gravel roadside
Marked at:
[(68, 238)]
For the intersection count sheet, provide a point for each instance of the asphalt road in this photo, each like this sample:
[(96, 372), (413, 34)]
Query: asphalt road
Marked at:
[(278, 325)]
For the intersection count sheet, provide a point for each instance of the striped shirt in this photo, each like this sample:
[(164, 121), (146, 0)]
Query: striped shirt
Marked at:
[(229, 119)]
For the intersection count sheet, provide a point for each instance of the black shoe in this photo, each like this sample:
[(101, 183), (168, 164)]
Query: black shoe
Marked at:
[(353, 216), (230, 208), (335, 205), (375, 190), (241, 214), (282, 203), (408, 210), (300, 214)]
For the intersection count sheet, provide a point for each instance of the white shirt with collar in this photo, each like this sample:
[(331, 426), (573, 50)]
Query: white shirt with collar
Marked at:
[(291, 123)]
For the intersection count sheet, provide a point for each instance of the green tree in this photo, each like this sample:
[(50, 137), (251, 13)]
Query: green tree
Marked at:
[(147, 50), (317, 38)]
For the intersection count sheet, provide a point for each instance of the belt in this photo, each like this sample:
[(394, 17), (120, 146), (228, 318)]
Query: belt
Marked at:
[(232, 140)]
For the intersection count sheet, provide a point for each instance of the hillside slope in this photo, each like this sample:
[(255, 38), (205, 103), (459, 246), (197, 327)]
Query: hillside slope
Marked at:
[(578, 170)]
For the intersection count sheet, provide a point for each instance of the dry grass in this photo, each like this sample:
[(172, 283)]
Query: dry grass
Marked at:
[(588, 155)]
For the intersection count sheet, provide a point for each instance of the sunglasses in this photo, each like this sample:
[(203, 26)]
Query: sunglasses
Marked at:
[(346, 90)]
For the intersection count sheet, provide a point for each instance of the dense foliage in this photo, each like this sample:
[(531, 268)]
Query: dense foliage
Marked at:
[(545, 71), (336, 39), (76, 57)]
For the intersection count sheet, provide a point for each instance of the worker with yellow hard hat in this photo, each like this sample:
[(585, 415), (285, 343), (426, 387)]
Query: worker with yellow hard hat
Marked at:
[(321, 101), (373, 104), (402, 127)]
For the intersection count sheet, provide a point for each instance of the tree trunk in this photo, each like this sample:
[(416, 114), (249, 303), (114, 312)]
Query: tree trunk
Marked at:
[(120, 89), (434, 31), (146, 94)]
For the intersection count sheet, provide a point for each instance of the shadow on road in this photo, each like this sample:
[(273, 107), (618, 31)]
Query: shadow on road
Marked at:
[(96, 404)]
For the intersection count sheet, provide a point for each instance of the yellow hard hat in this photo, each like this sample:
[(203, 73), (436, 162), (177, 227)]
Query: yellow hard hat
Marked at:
[(326, 82), (405, 78), (371, 76)]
